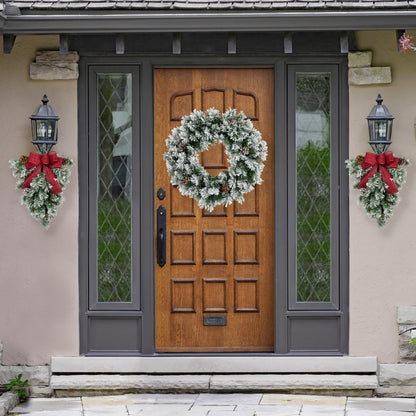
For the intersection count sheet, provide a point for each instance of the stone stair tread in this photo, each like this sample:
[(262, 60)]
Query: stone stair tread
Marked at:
[(215, 383), (212, 365)]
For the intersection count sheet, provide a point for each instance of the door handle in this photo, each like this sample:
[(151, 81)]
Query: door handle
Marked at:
[(161, 236)]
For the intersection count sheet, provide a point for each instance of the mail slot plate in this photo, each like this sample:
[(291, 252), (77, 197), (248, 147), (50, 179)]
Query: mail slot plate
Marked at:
[(215, 320)]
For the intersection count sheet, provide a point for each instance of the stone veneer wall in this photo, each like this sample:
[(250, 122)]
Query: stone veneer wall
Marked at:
[(362, 73), (51, 65), (400, 379), (406, 319)]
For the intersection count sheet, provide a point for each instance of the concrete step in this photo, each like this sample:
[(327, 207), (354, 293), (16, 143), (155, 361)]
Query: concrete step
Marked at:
[(213, 365), (90, 384)]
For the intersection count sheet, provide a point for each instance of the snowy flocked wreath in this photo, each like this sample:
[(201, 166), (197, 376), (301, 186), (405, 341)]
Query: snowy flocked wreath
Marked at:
[(243, 145)]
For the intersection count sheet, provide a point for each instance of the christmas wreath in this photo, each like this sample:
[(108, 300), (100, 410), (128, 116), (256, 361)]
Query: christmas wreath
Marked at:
[(379, 178), (43, 178), (243, 145)]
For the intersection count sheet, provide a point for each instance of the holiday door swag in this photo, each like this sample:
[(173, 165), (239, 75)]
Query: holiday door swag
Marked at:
[(243, 145), (43, 178), (379, 178)]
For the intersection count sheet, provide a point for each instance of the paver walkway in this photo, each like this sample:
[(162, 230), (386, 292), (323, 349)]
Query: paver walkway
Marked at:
[(217, 405)]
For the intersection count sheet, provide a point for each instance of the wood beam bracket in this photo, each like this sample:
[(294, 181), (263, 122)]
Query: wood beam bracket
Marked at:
[(120, 44), (177, 44), (63, 44), (8, 42), (232, 43), (343, 42), (288, 42)]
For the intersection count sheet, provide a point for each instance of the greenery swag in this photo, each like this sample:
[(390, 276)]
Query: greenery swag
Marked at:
[(243, 145), (43, 179), (379, 178)]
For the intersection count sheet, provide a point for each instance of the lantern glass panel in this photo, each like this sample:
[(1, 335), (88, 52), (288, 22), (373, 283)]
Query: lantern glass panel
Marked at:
[(389, 129), (371, 130), (34, 134), (44, 133), (381, 129)]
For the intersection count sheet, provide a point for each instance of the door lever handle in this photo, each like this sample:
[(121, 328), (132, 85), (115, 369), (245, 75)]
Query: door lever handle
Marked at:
[(161, 236)]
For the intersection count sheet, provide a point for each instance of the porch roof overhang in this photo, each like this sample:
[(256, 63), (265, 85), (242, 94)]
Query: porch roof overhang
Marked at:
[(150, 21)]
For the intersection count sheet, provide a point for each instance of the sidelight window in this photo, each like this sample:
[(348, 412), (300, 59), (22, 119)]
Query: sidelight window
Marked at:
[(313, 187), (313, 199)]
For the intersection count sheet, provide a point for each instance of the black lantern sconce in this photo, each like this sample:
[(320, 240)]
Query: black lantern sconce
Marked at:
[(44, 127), (380, 124)]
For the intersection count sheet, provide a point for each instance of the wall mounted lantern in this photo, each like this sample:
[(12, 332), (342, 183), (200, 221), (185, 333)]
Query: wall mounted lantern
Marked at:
[(44, 127), (380, 124)]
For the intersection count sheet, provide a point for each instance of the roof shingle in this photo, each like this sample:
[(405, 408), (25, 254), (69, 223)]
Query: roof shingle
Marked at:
[(212, 4)]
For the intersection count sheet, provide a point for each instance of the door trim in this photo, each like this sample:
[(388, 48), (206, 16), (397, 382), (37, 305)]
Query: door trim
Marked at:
[(147, 268)]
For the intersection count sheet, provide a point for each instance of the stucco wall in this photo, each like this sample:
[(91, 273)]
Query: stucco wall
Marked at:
[(45, 291), (38, 268), (383, 261)]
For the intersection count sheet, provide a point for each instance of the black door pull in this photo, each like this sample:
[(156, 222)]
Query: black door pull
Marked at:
[(161, 236)]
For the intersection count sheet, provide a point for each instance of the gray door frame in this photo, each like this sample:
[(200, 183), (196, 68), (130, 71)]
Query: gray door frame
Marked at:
[(146, 315)]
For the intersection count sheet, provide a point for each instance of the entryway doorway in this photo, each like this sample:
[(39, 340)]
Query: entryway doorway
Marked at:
[(269, 276)]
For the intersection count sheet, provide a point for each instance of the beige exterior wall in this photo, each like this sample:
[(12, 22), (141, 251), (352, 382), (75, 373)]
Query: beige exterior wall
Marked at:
[(383, 261), (38, 268)]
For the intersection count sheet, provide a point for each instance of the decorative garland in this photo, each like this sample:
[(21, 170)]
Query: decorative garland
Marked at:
[(243, 145), (405, 43), (379, 178), (43, 179)]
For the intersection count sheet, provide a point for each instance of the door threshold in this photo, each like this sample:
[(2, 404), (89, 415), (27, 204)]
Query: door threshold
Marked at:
[(213, 365)]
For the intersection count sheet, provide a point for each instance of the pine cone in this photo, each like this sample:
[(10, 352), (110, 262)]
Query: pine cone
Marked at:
[(185, 180), (225, 187), (401, 161), (245, 150), (23, 159), (65, 161), (182, 146), (360, 159)]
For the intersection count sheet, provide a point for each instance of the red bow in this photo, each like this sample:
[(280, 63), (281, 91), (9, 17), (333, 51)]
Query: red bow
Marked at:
[(381, 161), (45, 161)]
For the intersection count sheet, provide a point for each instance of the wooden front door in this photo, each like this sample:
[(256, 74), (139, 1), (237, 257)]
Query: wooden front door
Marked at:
[(216, 290)]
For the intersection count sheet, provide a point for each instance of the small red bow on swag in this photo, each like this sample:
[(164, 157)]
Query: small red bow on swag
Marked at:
[(382, 162), (45, 161)]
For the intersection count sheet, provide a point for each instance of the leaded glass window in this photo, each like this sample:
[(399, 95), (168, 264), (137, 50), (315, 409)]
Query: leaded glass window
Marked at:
[(114, 202), (313, 187)]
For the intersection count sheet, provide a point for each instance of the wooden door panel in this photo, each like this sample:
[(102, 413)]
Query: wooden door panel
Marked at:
[(250, 206), (219, 263), (213, 97), (180, 206)]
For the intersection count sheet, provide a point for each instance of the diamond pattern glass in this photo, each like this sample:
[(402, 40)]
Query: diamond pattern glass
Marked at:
[(313, 168), (114, 188)]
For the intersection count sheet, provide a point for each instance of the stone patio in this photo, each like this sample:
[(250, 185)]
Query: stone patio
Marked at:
[(207, 404)]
